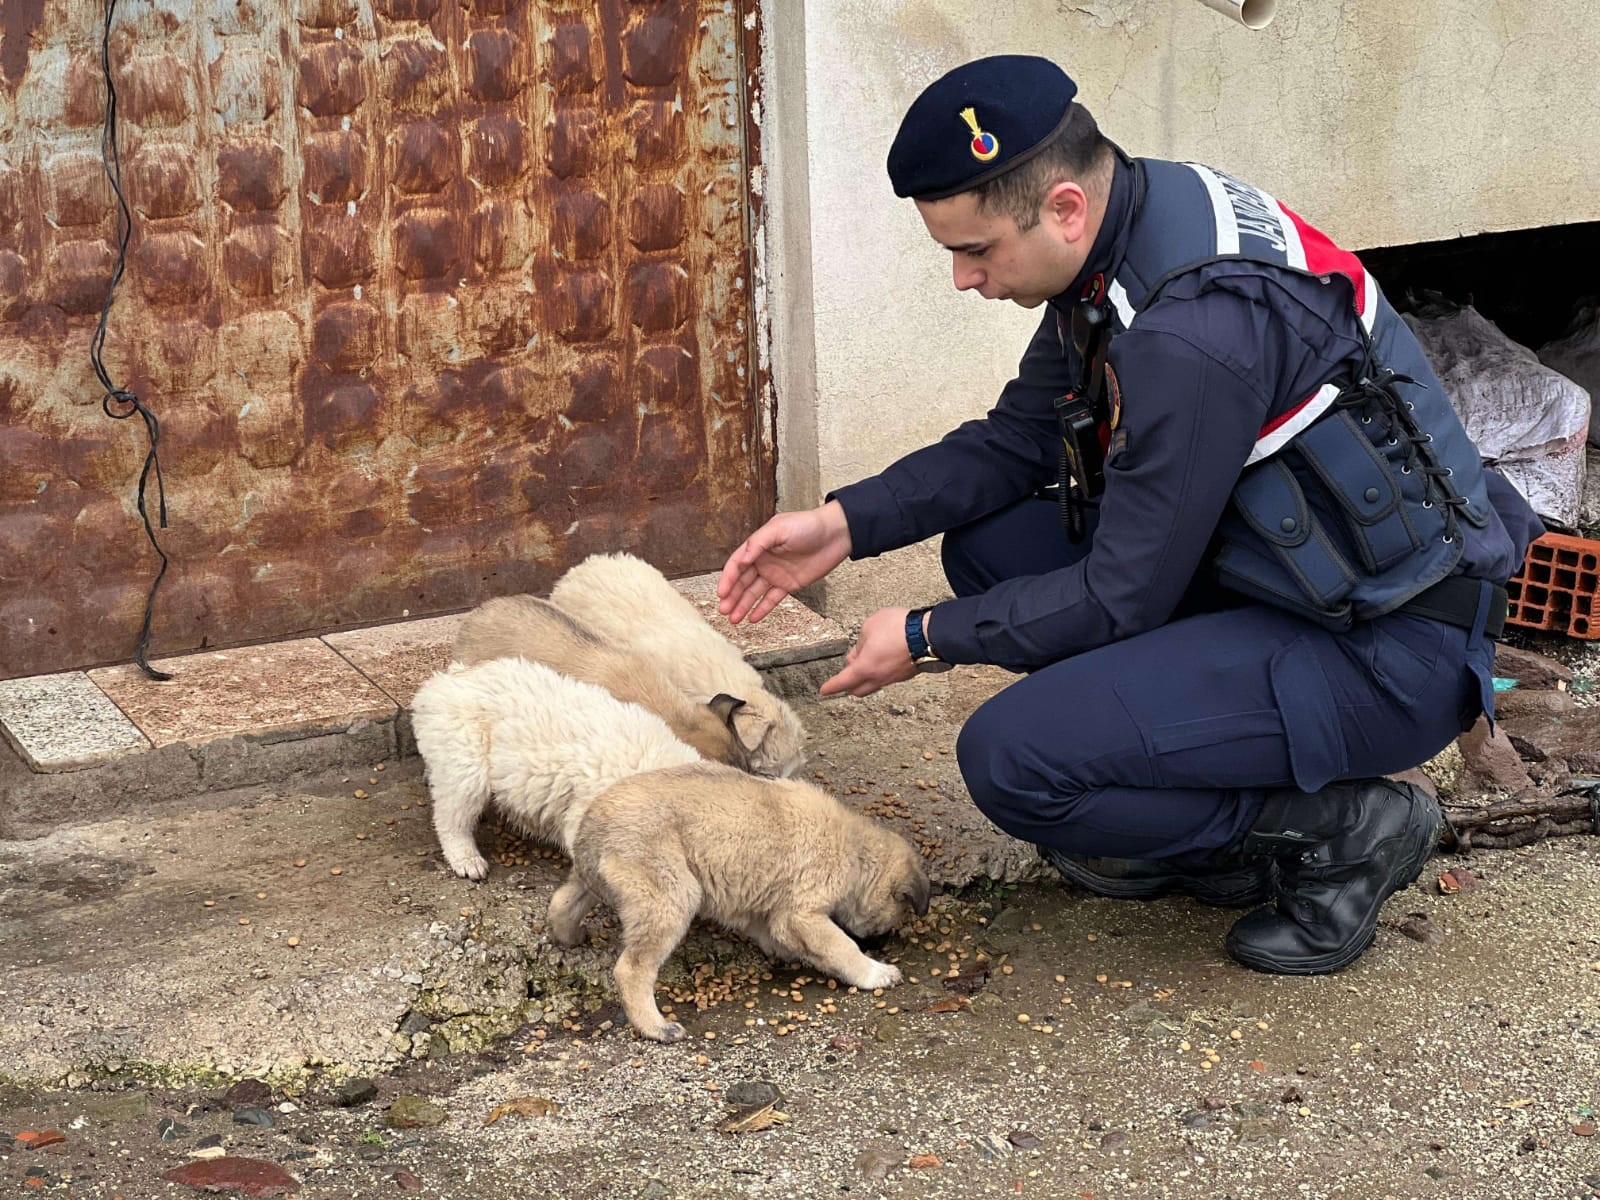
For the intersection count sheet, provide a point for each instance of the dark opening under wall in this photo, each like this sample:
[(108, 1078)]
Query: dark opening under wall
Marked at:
[(1529, 282)]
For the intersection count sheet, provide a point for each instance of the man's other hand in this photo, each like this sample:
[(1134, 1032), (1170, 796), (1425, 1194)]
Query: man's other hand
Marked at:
[(878, 658)]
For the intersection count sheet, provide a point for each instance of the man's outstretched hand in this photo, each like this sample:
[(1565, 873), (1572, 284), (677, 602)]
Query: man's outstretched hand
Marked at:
[(789, 552)]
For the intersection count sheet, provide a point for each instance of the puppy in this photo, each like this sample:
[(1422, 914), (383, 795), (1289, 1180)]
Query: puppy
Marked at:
[(629, 602), (537, 630), (541, 745), (781, 862)]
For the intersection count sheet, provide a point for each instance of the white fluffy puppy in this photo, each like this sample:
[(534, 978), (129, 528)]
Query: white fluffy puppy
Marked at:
[(542, 746), (625, 599)]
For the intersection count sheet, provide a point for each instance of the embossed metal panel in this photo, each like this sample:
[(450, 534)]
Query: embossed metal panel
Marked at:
[(432, 299)]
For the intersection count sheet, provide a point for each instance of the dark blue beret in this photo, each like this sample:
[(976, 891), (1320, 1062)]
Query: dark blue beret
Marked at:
[(979, 121)]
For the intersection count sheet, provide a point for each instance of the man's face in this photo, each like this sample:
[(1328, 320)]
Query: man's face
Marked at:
[(991, 256)]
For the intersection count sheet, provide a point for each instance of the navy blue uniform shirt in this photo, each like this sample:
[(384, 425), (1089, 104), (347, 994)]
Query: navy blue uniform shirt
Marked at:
[(1221, 349)]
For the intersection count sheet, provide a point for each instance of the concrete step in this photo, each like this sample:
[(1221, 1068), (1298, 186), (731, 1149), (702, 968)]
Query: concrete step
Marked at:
[(81, 745)]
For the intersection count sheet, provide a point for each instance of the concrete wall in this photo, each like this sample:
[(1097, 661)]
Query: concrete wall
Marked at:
[(1382, 123)]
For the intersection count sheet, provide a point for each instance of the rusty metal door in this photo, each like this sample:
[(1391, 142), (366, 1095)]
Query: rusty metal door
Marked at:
[(432, 298)]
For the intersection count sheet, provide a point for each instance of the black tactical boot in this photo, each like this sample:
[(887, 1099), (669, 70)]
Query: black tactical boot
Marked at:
[(1340, 853), (1233, 881)]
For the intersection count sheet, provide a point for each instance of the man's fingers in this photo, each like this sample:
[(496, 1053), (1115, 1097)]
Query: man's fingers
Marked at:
[(840, 683), (770, 601), (749, 599)]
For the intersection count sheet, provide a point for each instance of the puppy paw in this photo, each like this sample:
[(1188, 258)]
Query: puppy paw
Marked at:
[(667, 1031), (877, 975), (470, 866)]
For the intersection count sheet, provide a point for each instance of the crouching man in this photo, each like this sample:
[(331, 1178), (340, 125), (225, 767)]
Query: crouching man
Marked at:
[(1272, 569)]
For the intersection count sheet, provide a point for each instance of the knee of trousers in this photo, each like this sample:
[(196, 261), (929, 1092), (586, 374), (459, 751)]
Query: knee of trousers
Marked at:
[(961, 564), (1002, 787)]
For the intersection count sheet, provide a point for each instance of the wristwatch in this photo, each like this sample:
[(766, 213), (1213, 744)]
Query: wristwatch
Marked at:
[(922, 656)]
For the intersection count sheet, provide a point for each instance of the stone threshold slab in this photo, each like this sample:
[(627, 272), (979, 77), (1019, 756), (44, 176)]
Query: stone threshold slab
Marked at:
[(81, 742)]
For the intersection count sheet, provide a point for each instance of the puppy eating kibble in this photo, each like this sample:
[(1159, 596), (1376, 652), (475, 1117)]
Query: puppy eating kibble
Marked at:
[(779, 861)]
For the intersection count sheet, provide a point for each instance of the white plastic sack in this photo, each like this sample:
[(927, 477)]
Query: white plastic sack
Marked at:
[(1577, 356), (1528, 420)]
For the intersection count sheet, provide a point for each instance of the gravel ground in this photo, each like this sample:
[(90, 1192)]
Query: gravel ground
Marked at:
[(1463, 1064)]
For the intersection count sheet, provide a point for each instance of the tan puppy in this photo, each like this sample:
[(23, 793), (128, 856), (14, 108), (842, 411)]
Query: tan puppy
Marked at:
[(628, 601), (527, 627), (779, 861)]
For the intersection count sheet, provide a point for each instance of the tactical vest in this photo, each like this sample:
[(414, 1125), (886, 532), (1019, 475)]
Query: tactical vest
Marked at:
[(1359, 496)]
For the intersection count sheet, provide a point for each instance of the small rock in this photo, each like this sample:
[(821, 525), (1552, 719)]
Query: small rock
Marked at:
[(1436, 1173), (1530, 670), (1418, 928), (1526, 702), (355, 1091), (1113, 1140), (993, 1149), (1492, 758), (247, 1176), (38, 1139), (1257, 1128), (210, 1140), (169, 1130), (654, 1190), (122, 1106), (253, 1116), (1196, 1120), (415, 1023), (886, 1030), (1213, 1103), (1023, 1140), (248, 1093), (1584, 1129), (413, 1112), (1528, 1145), (406, 1181), (878, 1159), (1457, 879), (845, 1043), (367, 1152), (749, 1092)]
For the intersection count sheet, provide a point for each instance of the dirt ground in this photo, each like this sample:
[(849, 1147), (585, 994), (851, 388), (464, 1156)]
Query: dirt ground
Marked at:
[(1082, 1048)]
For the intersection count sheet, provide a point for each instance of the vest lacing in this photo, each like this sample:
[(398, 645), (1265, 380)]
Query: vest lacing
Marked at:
[(1373, 396)]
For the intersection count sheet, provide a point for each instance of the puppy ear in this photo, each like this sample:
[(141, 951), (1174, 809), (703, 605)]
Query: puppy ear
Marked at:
[(916, 892), (750, 726), (725, 706)]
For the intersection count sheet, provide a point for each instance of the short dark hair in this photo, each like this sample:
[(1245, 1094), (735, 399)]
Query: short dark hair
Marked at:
[(1078, 151)]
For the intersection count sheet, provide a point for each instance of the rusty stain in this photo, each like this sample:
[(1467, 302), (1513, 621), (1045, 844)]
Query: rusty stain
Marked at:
[(18, 20), (462, 299)]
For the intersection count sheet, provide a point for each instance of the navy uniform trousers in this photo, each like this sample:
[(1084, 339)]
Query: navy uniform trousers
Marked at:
[(1163, 745)]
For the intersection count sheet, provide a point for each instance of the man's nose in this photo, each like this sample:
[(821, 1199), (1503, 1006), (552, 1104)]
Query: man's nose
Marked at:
[(966, 277)]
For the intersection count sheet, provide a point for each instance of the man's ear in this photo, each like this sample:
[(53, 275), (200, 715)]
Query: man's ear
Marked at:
[(1069, 204)]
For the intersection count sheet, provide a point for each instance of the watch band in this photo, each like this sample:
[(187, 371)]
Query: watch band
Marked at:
[(916, 642)]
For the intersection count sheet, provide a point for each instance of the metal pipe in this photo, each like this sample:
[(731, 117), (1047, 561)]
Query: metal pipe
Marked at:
[(1252, 14)]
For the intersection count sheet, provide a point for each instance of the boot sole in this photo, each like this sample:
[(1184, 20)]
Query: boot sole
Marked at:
[(1426, 827), (1247, 893)]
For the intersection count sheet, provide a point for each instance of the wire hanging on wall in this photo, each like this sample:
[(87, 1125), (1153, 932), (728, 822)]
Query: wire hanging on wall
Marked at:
[(120, 403)]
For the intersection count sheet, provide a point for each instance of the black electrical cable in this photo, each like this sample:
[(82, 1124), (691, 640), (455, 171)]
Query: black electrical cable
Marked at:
[(119, 403)]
